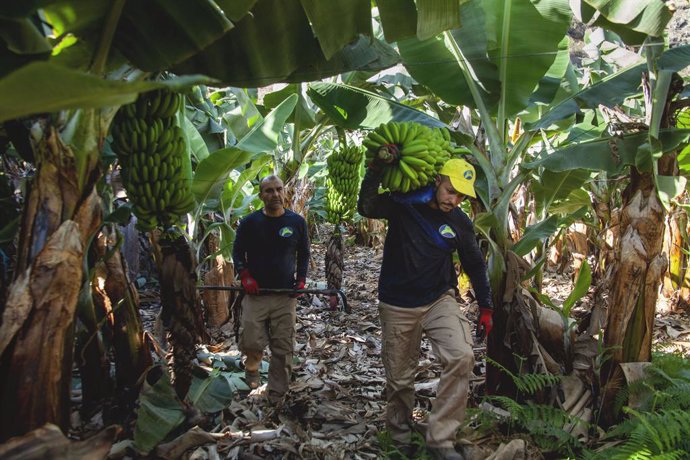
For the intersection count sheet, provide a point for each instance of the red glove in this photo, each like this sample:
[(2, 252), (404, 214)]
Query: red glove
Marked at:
[(299, 284), (485, 322), (248, 283)]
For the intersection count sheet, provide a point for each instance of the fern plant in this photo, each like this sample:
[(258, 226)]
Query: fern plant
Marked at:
[(527, 383), (653, 435), (665, 386), (547, 425), (659, 425)]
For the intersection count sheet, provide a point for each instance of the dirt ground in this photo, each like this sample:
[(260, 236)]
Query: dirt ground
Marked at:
[(336, 406)]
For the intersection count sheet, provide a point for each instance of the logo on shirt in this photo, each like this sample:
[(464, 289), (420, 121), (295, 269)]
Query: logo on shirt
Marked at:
[(446, 231), (286, 232)]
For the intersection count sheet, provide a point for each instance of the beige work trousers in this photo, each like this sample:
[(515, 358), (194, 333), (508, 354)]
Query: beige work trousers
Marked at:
[(449, 333), (269, 320)]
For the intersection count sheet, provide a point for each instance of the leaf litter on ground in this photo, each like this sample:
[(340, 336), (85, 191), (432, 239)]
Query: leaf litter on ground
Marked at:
[(336, 405)]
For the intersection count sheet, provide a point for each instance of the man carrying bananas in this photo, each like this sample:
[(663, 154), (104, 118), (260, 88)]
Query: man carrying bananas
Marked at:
[(417, 289), (271, 250)]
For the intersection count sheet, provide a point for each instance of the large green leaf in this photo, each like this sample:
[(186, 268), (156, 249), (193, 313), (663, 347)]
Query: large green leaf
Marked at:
[(525, 46), (156, 34), (669, 188), (613, 89), (45, 87), (338, 22), (433, 64), (21, 36), (304, 115), (264, 136), (521, 41), (535, 234), (277, 43), (212, 172), (21, 42), (354, 108), (577, 200), (633, 20), (582, 283), (233, 190), (236, 9), (213, 393), (555, 186), (436, 16), (75, 16), (160, 411), (402, 19), (553, 80), (196, 143), (153, 35), (610, 154), (398, 18)]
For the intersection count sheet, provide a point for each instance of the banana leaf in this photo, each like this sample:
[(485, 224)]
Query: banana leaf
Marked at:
[(534, 234), (552, 187), (20, 43), (338, 22), (233, 189), (214, 393), (42, 87), (610, 154), (277, 43), (398, 19), (354, 108), (433, 64), (582, 284), (518, 57), (632, 20), (196, 143), (212, 173), (160, 410), (304, 114), (613, 89)]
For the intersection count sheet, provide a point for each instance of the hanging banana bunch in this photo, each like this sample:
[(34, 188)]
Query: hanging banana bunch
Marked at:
[(341, 202), (155, 161), (418, 153), (343, 183)]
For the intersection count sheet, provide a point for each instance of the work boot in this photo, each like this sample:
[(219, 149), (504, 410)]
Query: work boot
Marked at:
[(253, 379), (444, 453)]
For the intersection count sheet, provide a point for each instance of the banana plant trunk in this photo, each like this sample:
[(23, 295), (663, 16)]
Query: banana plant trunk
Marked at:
[(37, 332), (131, 352), (641, 265), (676, 247), (181, 314)]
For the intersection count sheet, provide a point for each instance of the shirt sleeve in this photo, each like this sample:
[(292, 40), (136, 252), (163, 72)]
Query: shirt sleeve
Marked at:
[(370, 203), (473, 264), (303, 252), (239, 248)]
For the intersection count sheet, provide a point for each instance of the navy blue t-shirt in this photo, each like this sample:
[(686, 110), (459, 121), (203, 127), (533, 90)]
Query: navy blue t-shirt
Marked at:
[(274, 249), (418, 252)]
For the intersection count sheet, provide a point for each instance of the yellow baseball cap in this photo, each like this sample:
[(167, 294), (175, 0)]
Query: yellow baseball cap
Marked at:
[(461, 175)]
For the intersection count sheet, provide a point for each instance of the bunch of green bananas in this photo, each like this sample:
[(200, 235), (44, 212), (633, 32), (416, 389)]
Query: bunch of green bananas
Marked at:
[(343, 183), (414, 153), (152, 151)]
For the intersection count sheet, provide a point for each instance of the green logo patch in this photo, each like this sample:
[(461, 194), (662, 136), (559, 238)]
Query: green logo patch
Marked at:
[(286, 232), (446, 231)]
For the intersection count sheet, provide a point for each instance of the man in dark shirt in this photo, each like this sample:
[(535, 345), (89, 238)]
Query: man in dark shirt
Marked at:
[(271, 251), (417, 288)]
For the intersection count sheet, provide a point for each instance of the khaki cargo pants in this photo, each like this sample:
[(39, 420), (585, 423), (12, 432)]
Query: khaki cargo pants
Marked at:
[(449, 333), (269, 320)]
